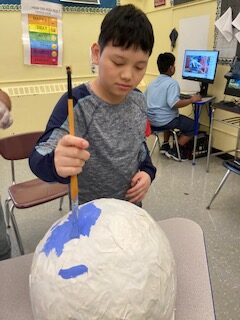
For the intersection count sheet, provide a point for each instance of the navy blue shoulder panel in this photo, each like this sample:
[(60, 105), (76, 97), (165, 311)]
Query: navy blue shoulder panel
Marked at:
[(60, 112)]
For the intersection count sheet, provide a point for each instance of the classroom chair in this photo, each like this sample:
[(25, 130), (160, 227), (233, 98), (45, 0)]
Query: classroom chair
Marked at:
[(232, 166), (29, 193)]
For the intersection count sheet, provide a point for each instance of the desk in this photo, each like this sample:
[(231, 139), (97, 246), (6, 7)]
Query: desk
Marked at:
[(206, 101), (194, 295), (231, 121)]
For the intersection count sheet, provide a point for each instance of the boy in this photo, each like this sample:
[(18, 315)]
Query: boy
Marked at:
[(5, 122), (108, 153), (163, 101)]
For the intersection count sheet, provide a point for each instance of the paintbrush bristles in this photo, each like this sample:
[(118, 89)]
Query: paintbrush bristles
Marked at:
[(68, 68)]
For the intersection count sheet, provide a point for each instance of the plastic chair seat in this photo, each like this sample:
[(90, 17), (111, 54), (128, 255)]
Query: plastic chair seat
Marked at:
[(232, 165), (35, 192)]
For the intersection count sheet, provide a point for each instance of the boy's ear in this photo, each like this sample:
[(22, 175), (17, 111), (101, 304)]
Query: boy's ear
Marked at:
[(95, 49)]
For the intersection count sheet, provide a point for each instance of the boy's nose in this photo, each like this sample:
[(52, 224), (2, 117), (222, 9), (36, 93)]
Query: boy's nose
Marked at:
[(126, 74)]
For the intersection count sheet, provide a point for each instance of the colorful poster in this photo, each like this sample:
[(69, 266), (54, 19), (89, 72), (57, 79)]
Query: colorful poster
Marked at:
[(42, 33)]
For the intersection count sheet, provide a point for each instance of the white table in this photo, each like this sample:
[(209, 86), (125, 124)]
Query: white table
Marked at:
[(194, 296)]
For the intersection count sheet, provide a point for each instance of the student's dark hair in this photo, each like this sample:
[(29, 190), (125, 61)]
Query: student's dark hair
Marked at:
[(164, 61), (127, 26)]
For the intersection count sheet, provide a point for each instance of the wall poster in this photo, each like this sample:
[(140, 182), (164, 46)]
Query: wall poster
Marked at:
[(158, 3), (42, 32)]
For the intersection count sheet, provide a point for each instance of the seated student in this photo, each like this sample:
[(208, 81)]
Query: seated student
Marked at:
[(163, 101), (109, 153), (5, 122)]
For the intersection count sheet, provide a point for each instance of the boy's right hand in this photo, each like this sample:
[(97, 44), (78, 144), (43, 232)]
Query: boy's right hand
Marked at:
[(70, 155), (195, 98)]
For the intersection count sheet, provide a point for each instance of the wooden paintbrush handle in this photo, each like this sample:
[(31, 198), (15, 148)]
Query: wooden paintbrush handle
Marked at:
[(74, 180)]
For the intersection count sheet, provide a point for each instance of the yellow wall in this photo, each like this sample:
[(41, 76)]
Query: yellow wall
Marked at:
[(80, 30)]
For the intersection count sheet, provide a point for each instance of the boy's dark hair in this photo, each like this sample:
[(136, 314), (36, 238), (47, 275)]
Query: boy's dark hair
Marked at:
[(127, 26), (164, 61)]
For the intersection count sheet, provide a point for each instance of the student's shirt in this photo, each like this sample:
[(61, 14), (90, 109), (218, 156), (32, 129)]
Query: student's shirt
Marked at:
[(116, 136), (162, 94)]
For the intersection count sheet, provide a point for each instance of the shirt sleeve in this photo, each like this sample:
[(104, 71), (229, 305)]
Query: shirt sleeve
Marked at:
[(41, 160), (173, 94), (146, 164)]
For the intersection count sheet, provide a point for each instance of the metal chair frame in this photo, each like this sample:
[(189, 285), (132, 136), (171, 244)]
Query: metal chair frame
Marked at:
[(157, 141), (232, 166)]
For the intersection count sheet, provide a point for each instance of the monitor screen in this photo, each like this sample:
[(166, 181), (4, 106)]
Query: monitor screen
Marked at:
[(200, 65), (235, 69), (233, 87)]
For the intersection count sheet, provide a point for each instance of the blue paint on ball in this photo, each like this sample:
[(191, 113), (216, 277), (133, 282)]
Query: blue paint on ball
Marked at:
[(85, 219), (73, 272)]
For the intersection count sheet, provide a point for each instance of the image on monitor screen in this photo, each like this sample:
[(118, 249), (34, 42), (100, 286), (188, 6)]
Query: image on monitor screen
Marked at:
[(233, 87), (200, 65)]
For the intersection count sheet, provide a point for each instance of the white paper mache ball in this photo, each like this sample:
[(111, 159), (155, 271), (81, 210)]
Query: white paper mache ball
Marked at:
[(111, 261)]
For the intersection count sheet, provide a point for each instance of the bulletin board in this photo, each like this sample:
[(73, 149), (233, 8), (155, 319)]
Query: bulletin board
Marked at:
[(233, 47), (105, 5)]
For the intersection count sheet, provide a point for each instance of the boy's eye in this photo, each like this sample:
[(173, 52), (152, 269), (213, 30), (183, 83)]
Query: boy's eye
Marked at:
[(139, 68), (118, 64)]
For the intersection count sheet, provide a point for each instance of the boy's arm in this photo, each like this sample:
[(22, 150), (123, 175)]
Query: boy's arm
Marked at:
[(41, 160), (185, 102), (147, 166), (65, 159), (141, 181)]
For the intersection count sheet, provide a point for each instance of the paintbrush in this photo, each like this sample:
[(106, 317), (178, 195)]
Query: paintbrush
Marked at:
[(73, 179)]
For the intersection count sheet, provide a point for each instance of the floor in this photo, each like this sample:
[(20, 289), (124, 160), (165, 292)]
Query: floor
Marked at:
[(179, 190)]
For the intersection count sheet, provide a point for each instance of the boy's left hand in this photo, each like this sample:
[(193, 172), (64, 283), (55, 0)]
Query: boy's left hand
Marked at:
[(139, 186)]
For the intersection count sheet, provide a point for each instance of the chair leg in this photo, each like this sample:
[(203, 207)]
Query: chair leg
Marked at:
[(154, 144), (219, 187), (7, 211), (175, 138), (17, 234), (61, 203)]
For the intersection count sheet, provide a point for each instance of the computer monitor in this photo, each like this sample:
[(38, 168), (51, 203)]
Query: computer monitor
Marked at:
[(235, 69), (200, 65), (233, 87)]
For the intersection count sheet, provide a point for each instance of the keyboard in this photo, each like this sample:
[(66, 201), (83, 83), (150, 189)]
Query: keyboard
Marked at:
[(229, 106), (185, 96), (229, 103)]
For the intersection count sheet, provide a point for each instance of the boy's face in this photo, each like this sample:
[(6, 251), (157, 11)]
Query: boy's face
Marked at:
[(120, 71)]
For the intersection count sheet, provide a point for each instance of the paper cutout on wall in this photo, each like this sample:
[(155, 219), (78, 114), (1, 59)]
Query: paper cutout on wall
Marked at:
[(224, 24), (236, 22), (237, 36)]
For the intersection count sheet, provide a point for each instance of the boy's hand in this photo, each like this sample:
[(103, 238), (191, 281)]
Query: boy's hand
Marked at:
[(5, 117), (196, 97), (70, 155), (139, 186)]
